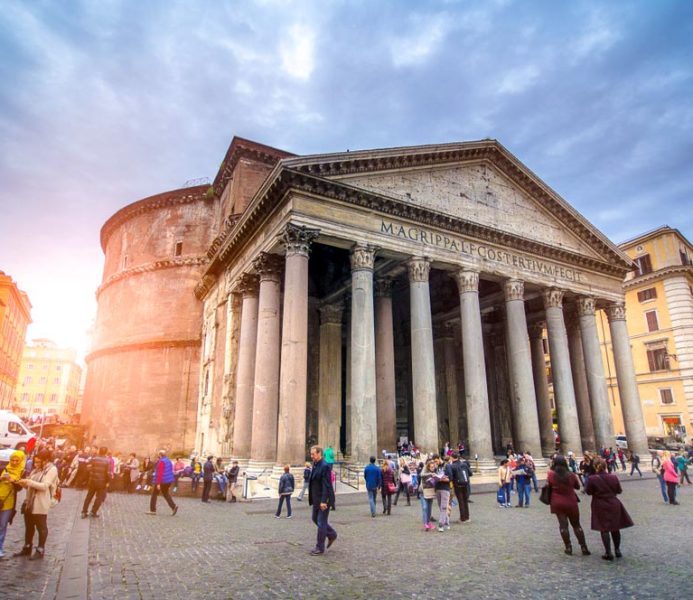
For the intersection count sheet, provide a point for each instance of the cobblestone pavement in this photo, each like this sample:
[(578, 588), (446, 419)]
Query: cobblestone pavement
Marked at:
[(240, 550)]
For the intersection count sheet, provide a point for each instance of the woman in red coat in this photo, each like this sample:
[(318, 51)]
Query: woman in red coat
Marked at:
[(564, 503), (609, 516)]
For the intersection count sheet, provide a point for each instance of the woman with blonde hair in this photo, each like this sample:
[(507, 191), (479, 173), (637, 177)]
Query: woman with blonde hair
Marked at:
[(671, 476), (11, 474)]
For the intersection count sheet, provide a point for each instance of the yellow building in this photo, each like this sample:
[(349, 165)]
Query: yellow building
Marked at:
[(659, 312), (15, 316), (49, 381)]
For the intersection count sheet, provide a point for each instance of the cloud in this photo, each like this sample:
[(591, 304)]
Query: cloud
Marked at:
[(296, 50)]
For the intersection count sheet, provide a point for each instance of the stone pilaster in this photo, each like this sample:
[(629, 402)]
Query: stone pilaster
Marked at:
[(476, 392), (248, 287), (330, 392), (385, 366), (627, 385), (541, 388), (293, 382), (568, 424), (423, 366), (519, 358), (364, 419), (263, 449), (450, 361), (602, 419), (582, 395)]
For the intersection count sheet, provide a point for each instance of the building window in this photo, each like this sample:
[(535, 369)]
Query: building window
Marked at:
[(54, 398), (648, 294), (545, 345), (658, 359), (685, 260), (27, 379), (30, 366), (666, 396), (25, 397), (44, 366), (39, 397), (652, 324), (58, 367), (56, 379), (179, 249), (42, 380), (644, 264)]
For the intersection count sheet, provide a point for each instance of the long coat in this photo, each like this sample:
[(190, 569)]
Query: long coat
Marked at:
[(608, 514), (320, 490), (563, 498)]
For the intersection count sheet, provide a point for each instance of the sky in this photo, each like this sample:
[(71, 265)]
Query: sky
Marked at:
[(106, 102)]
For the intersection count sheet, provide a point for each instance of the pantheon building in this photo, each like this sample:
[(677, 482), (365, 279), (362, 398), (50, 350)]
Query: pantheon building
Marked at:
[(354, 299)]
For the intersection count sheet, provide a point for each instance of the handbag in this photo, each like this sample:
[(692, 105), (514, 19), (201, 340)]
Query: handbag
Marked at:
[(545, 495), (391, 487), (500, 495)]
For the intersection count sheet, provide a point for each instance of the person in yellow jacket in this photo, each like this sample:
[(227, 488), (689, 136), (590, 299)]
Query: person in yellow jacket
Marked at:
[(10, 475)]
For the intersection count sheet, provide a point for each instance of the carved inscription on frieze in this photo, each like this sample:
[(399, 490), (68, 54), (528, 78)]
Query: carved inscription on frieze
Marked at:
[(456, 244)]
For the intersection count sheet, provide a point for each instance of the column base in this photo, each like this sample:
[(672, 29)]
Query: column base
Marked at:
[(484, 466), (260, 467)]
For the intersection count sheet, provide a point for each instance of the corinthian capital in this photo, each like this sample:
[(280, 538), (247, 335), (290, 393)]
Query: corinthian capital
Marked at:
[(383, 287), (331, 313), (297, 239), (248, 285), (616, 312), (362, 258), (514, 290), (419, 269), (536, 331), (467, 280), (586, 306), (553, 298), (269, 266)]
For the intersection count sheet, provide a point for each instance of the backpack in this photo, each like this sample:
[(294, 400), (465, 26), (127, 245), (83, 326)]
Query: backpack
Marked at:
[(459, 474)]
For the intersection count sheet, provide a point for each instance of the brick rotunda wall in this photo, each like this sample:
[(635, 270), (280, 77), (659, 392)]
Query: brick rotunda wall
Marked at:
[(143, 368)]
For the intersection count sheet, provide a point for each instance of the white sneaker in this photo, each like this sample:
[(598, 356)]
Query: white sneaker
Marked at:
[(289, 516)]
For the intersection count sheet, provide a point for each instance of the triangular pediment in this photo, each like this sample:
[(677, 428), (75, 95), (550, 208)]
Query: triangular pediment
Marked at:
[(478, 193)]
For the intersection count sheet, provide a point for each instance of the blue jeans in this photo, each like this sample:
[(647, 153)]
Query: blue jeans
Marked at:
[(523, 490), (662, 487), (282, 498), (372, 497), (221, 483), (4, 521), (506, 489), (325, 530), (195, 480), (426, 509), (635, 467), (534, 482)]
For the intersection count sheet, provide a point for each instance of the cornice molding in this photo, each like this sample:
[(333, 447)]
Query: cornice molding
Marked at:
[(163, 200), (158, 265), (146, 345), (657, 275)]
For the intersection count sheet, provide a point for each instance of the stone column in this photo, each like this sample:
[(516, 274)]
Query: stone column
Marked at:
[(263, 448), (450, 361), (627, 386), (330, 387), (423, 367), (602, 419), (475, 390), (364, 419), (293, 381), (385, 366), (568, 424), (520, 367), (245, 378), (541, 388), (582, 395)]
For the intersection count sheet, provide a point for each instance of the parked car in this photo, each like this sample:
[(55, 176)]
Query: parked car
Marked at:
[(622, 442), (13, 432), (664, 443)]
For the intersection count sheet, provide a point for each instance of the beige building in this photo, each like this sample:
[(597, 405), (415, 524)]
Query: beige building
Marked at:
[(659, 303), (49, 382), (15, 316)]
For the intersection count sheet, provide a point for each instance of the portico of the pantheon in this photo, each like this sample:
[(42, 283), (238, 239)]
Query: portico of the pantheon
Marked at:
[(364, 296)]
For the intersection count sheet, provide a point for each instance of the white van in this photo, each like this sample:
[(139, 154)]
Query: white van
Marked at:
[(13, 432)]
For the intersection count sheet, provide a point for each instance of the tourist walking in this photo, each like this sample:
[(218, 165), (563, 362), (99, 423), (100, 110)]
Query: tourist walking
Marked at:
[(671, 476), (207, 478), (11, 474), (427, 480), (505, 476), (634, 464), (286, 488), (99, 476), (162, 478), (682, 462), (41, 486), (374, 479), (306, 481), (659, 471), (321, 498), (564, 503), (460, 485), (131, 473), (609, 515), (388, 487), (404, 481)]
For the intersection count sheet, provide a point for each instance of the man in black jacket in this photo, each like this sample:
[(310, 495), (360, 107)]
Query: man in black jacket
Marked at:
[(460, 482), (321, 498), (208, 470), (99, 476)]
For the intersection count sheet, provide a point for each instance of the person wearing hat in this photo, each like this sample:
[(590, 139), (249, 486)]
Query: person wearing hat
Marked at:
[(40, 485), (11, 474)]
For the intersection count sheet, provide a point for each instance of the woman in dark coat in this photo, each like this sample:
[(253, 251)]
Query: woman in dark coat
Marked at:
[(564, 503), (388, 488), (609, 516)]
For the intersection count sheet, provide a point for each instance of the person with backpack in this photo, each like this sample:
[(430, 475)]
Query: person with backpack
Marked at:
[(657, 469), (99, 476), (41, 486), (460, 484), (634, 464)]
